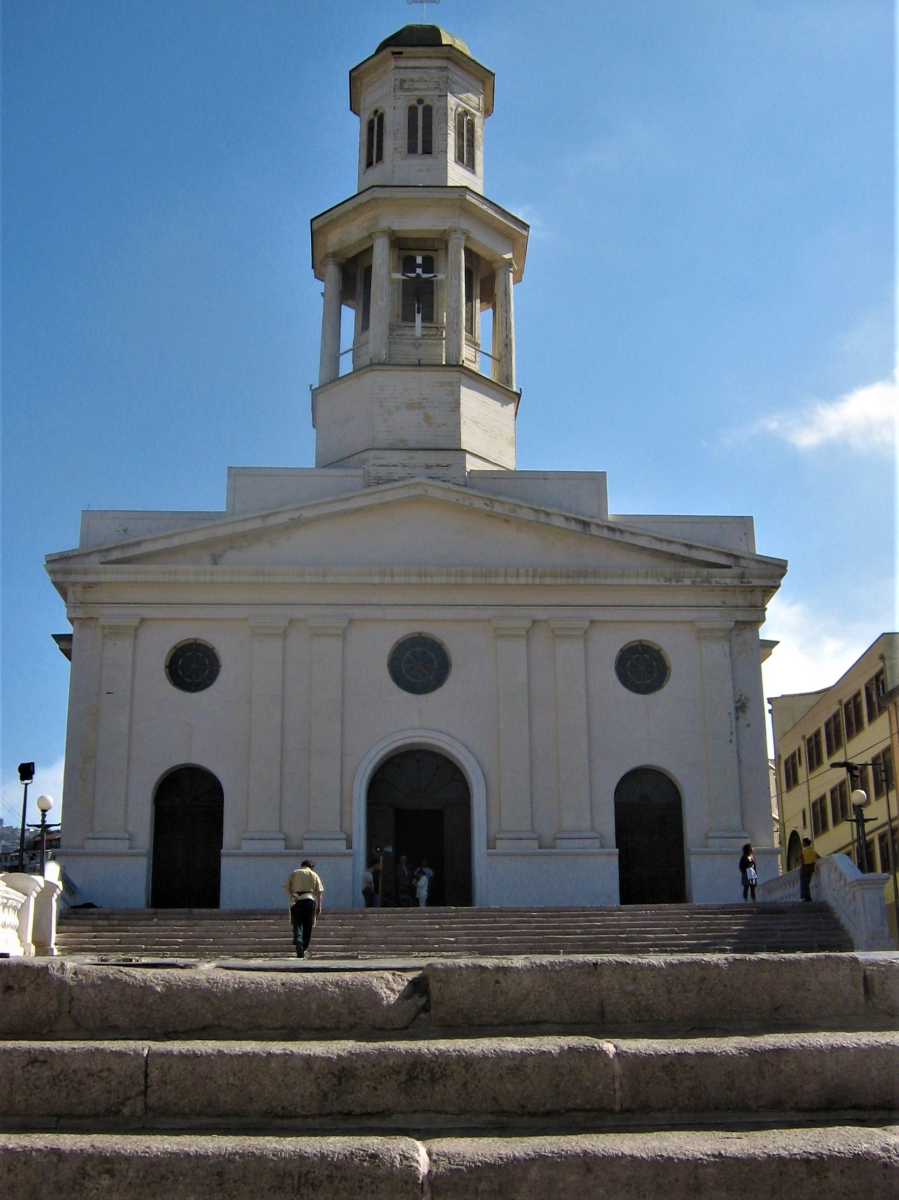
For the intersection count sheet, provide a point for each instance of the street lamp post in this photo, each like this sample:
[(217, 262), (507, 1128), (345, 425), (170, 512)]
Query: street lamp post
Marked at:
[(859, 799), (44, 803), (26, 774)]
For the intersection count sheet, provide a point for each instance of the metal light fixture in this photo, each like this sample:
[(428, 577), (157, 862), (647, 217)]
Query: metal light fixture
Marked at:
[(44, 804), (859, 799), (26, 774)]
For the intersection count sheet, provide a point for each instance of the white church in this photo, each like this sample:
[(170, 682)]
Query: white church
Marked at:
[(412, 648)]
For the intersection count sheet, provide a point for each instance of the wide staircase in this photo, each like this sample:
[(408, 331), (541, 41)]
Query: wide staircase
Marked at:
[(435, 933), (625, 1076)]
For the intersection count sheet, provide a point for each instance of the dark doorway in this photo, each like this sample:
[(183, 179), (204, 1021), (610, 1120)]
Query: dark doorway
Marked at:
[(419, 805), (188, 814), (419, 835), (649, 834), (794, 850)]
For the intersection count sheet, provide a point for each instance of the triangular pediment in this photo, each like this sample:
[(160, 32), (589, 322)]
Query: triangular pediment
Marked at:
[(413, 524)]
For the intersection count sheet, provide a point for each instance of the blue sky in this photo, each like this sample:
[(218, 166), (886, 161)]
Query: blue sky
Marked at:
[(707, 312)]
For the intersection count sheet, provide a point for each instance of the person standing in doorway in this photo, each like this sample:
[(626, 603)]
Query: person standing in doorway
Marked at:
[(422, 882), (807, 860), (305, 889), (403, 883), (748, 872), (368, 885)]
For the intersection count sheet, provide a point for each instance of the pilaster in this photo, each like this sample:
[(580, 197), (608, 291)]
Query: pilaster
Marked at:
[(723, 777), (575, 816), (113, 734), (513, 725), (325, 741), (263, 828)]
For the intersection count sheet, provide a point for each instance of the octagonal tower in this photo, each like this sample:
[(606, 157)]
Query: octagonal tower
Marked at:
[(418, 254)]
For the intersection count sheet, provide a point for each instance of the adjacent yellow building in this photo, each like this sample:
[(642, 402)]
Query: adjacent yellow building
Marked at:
[(854, 721)]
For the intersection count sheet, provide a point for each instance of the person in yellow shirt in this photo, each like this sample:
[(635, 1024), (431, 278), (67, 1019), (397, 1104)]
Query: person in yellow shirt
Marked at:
[(807, 859), (305, 889)]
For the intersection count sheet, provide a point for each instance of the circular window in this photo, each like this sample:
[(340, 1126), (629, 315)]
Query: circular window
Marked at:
[(192, 666), (418, 664), (642, 668)]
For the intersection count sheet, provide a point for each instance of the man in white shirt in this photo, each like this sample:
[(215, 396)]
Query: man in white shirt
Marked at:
[(305, 890)]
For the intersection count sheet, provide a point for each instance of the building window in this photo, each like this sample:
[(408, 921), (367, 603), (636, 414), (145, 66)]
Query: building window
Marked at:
[(874, 690), (882, 770), (854, 716), (469, 301), (365, 300), (465, 139), (192, 666), (833, 733), (418, 288), (791, 770), (839, 803), (814, 755), (642, 668), (419, 664), (804, 822), (871, 866), (819, 816), (884, 848), (374, 139), (864, 781), (419, 128)]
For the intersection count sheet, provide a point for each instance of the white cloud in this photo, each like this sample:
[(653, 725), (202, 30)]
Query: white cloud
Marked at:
[(863, 420), (814, 650), (47, 781)]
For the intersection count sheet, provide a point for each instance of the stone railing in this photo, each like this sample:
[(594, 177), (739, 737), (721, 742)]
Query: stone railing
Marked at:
[(28, 912), (11, 902), (856, 899)]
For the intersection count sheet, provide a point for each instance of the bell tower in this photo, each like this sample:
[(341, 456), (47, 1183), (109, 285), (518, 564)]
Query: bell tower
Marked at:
[(419, 254)]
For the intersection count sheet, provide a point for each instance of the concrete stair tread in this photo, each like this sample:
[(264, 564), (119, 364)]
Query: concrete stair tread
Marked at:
[(804, 1163), (492, 1076), (427, 932)]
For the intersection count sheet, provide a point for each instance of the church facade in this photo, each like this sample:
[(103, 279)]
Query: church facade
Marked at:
[(412, 648)]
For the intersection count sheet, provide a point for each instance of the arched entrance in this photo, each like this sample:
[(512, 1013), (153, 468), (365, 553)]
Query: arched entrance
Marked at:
[(419, 804), (649, 834), (188, 816), (794, 849)]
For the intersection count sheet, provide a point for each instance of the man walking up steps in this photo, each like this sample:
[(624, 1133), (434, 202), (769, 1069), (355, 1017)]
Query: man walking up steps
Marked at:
[(305, 888)]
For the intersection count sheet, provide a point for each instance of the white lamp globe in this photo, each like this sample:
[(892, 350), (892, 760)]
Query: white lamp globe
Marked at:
[(45, 803), (858, 798)]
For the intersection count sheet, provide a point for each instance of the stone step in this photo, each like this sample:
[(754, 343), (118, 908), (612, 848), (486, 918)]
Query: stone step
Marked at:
[(47, 997), (696, 928), (53, 997), (804, 1164), (486, 1079)]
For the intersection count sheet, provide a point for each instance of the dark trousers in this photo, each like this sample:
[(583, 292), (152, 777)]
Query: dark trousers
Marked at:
[(302, 916), (805, 883)]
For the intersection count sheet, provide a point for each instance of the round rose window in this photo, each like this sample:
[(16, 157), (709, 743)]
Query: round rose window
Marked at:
[(192, 667)]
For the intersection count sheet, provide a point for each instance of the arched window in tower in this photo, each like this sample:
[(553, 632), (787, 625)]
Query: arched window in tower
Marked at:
[(469, 301), (465, 139), (374, 140), (420, 128), (365, 314)]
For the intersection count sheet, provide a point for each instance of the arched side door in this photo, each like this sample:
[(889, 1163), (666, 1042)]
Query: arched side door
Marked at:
[(188, 819), (649, 834), (794, 849)]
